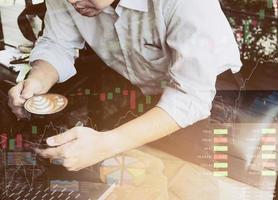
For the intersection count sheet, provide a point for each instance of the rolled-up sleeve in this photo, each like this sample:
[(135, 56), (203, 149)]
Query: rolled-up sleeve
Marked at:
[(60, 41), (202, 46)]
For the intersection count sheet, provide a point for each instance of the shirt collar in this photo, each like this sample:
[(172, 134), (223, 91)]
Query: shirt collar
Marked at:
[(139, 5)]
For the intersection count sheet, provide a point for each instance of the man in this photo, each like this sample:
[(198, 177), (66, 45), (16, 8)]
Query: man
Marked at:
[(184, 42)]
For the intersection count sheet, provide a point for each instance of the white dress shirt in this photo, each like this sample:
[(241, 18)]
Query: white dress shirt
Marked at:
[(185, 43)]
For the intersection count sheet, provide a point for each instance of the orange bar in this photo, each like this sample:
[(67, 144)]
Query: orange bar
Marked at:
[(125, 92), (220, 157), (269, 164), (268, 139), (102, 97), (4, 140), (220, 140), (19, 141), (133, 100)]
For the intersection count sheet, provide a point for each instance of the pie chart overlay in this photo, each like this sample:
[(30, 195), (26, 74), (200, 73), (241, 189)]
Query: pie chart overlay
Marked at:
[(123, 170)]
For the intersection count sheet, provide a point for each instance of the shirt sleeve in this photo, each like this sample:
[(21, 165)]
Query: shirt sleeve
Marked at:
[(202, 46), (60, 41)]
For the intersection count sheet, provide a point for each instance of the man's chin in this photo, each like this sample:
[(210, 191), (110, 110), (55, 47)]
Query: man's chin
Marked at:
[(90, 13), (94, 14)]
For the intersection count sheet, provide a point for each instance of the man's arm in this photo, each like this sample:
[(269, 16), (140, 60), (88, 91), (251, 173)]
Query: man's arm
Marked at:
[(81, 147), (52, 59), (202, 46), (39, 70), (61, 40), (151, 126)]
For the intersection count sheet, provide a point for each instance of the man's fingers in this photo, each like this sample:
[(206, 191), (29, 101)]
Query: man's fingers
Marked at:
[(16, 90), (52, 153), (16, 102), (69, 163), (20, 93), (19, 112), (61, 152), (62, 138), (15, 98), (29, 89)]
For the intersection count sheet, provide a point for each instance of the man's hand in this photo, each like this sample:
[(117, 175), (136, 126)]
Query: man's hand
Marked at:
[(82, 147), (79, 147), (41, 78), (21, 92)]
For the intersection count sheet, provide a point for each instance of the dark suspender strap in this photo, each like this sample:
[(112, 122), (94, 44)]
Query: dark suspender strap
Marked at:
[(23, 22)]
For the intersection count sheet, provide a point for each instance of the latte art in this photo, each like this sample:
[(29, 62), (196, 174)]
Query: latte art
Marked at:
[(42, 104), (46, 104)]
